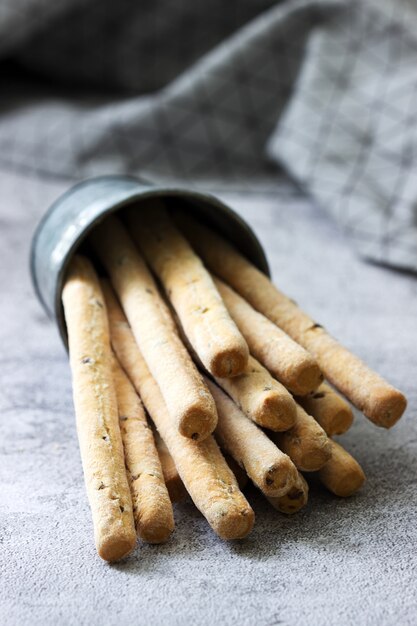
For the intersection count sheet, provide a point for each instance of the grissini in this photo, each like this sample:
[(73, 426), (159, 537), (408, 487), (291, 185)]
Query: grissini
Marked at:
[(329, 409), (201, 466), (270, 469), (204, 472), (175, 486), (190, 404), (306, 443), (382, 403), (294, 500), (189, 287), (152, 508), (261, 398), (287, 361), (342, 474), (97, 418)]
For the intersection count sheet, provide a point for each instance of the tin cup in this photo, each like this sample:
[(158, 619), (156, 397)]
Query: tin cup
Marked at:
[(66, 225)]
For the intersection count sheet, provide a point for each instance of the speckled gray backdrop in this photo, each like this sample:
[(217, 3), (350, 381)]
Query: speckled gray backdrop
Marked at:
[(338, 562)]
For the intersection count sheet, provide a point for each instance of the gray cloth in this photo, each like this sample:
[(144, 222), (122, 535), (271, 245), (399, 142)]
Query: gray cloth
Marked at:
[(339, 562), (224, 93)]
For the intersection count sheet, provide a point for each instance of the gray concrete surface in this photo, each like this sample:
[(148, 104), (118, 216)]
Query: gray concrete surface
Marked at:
[(338, 562)]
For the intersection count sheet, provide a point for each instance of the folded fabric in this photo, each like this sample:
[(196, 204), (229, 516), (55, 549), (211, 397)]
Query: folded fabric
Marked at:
[(215, 93)]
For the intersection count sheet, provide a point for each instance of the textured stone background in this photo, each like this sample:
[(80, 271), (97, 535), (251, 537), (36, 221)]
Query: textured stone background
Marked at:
[(338, 562)]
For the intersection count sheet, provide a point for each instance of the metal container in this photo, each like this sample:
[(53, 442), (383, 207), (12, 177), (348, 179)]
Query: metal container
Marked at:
[(70, 219)]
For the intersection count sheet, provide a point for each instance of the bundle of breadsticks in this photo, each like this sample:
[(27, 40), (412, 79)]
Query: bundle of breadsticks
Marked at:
[(193, 373)]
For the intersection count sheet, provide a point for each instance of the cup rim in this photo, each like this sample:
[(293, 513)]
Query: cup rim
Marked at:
[(53, 305)]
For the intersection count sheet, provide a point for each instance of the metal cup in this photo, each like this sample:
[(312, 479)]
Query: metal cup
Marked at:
[(72, 217)]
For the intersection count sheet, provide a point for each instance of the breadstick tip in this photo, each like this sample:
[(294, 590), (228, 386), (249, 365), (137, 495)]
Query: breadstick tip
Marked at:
[(233, 525), (385, 406), (197, 424), (342, 475), (348, 485), (280, 477), (230, 362), (294, 500), (113, 549), (341, 421), (279, 410), (158, 533), (315, 456), (307, 377)]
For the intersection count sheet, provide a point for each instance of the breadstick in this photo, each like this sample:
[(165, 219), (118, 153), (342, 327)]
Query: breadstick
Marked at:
[(369, 392), (306, 443), (261, 398), (271, 470), (190, 288), (329, 409), (152, 507), (201, 466), (96, 412), (175, 486), (342, 474), (188, 400), (122, 339), (294, 500), (287, 361), (204, 472), (239, 472)]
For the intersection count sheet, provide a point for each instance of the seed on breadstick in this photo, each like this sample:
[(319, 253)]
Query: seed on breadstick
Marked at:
[(261, 398), (270, 469), (306, 443), (152, 508), (369, 392), (96, 412), (239, 472), (287, 361), (201, 466), (294, 500), (190, 288), (342, 474), (190, 404), (329, 409), (175, 486)]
